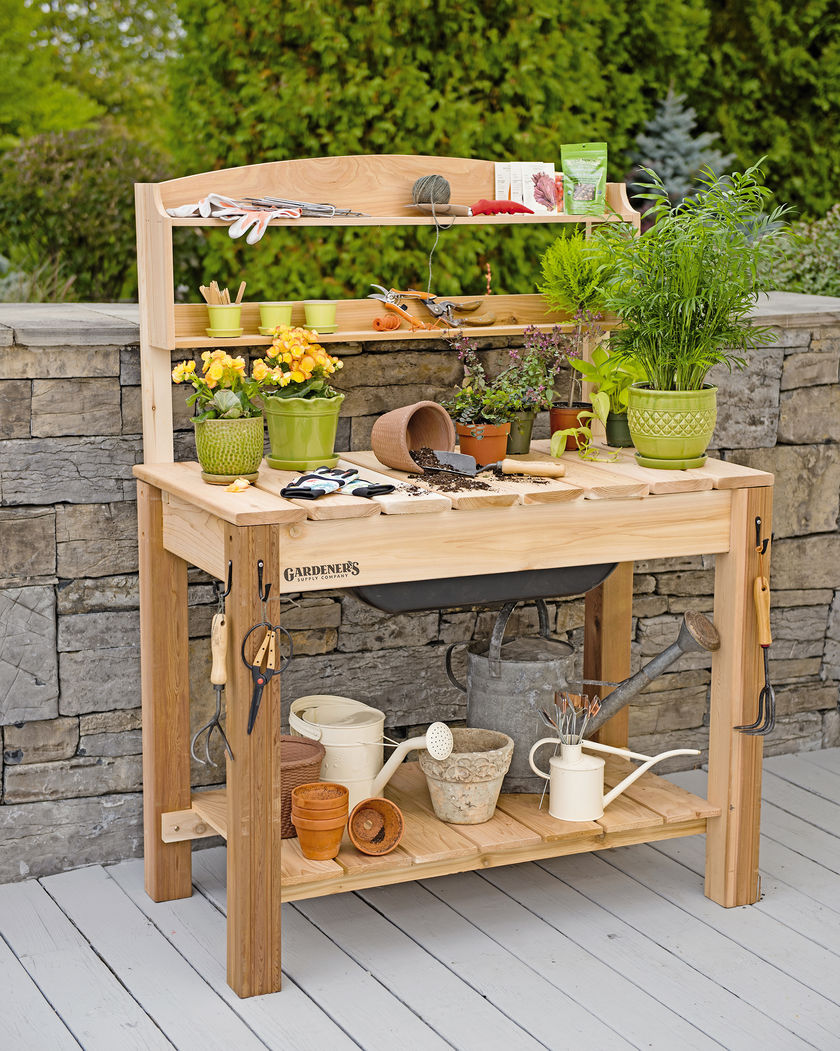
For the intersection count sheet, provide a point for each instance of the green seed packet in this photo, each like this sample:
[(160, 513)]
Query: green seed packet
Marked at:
[(584, 177)]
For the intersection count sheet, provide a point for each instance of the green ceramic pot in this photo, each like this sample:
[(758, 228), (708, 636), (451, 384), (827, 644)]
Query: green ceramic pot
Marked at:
[(302, 432), (618, 431), (519, 439), (671, 429), (229, 449)]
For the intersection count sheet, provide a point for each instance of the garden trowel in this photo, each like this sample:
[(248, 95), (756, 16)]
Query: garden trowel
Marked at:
[(460, 463)]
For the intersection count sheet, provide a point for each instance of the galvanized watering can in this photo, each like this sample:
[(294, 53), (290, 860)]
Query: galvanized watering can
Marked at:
[(509, 682)]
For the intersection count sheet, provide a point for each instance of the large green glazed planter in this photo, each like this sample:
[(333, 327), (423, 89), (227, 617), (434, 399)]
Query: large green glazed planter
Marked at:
[(229, 449), (519, 439), (302, 432), (671, 429)]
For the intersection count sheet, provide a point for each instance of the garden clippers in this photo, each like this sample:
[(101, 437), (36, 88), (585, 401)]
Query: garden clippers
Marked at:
[(442, 310)]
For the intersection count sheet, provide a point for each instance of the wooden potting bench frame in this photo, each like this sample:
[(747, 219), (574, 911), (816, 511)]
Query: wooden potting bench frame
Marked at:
[(184, 521)]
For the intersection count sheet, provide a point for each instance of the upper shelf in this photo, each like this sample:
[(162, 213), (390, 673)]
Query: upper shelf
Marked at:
[(419, 220)]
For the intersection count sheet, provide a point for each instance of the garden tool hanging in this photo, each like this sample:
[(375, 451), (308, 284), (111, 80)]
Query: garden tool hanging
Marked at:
[(264, 665), (766, 715), (218, 677)]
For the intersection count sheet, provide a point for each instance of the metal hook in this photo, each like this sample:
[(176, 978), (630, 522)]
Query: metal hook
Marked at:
[(263, 594), (222, 595), (760, 545)]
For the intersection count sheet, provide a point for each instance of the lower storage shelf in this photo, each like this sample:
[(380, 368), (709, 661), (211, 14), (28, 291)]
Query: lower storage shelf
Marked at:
[(650, 809)]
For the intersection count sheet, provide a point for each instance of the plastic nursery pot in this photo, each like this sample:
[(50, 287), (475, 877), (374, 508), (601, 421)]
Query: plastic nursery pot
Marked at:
[(223, 319), (319, 795), (563, 416), (671, 429), (274, 314), (302, 432), (425, 424), (229, 449), (320, 314), (618, 431), (376, 826), (519, 439), (487, 442)]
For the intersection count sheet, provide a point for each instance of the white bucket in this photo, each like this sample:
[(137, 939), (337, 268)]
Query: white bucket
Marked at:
[(350, 731)]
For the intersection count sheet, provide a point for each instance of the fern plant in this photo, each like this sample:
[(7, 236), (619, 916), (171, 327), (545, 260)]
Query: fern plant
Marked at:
[(685, 289), (573, 274)]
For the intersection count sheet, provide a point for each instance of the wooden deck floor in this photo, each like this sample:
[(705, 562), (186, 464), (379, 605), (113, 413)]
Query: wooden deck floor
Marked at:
[(594, 951)]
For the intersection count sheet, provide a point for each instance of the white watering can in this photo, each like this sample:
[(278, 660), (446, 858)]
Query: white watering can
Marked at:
[(351, 733), (576, 780)]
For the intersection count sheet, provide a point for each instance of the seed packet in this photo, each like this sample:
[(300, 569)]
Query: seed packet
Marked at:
[(584, 177), (539, 191)]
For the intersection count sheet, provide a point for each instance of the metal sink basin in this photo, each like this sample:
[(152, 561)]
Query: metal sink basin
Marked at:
[(415, 595)]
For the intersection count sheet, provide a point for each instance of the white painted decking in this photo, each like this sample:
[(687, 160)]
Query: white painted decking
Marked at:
[(594, 951)]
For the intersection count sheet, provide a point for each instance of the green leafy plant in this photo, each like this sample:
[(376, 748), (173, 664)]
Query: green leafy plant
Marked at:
[(613, 376), (573, 274), (685, 288), (587, 450), (476, 400), (807, 259), (528, 381)]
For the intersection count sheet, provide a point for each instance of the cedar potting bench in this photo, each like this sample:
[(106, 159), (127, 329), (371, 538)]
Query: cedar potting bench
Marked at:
[(605, 512)]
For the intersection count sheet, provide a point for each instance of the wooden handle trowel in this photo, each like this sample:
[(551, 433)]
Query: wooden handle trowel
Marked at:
[(460, 463)]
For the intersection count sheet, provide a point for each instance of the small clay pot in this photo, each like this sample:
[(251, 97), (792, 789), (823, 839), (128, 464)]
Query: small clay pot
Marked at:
[(319, 795), (376, 826), (319, 815), (561, 417), (486, 442), (424, 425), (320, 840)]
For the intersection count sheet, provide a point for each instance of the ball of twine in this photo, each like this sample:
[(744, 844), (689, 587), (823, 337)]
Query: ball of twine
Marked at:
[(431, 189)]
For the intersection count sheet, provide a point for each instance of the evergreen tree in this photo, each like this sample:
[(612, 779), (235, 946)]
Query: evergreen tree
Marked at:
[(670, 146)]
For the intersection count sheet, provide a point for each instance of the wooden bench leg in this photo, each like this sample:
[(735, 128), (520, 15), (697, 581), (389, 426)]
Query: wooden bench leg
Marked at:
[(253, 777), (165, 686), (606, 644), (737, 675)]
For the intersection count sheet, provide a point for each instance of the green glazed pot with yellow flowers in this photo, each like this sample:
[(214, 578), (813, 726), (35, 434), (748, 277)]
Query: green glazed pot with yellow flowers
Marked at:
[(301, 407), (229, 429)]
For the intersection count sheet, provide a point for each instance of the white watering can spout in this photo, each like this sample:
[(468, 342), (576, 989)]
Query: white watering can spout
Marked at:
[(577, 780), (437, 741)]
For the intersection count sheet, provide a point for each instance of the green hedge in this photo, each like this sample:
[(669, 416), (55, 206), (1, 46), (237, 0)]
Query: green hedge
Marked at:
[(496, 80)]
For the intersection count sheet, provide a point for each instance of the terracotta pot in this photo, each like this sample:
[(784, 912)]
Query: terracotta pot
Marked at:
[(562, 416), (320, 843), (339, 812), (319, 795), (376, 826), (422, 425), (487, 442)]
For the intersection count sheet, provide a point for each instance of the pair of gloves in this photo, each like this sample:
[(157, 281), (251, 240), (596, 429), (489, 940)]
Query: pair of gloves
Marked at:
[(244, 218), (325, 480)]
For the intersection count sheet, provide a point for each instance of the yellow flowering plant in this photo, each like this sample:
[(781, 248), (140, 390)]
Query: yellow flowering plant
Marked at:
[(297, 366), (223, 390)]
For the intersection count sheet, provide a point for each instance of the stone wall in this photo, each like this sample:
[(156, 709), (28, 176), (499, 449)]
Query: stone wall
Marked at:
[(69, 622)]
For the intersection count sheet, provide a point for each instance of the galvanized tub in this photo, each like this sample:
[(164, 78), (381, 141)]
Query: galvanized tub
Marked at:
[(507, 684)]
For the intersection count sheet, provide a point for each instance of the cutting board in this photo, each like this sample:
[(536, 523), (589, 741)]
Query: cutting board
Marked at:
[(598, 480), (401, 502), (468, 500), (325, 508)]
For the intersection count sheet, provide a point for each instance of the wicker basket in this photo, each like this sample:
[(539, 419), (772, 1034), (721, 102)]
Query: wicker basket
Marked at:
[(300, 764), (422, 425)]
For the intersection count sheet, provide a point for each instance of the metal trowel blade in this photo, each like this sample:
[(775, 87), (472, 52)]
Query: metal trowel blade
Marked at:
[(459, 463)]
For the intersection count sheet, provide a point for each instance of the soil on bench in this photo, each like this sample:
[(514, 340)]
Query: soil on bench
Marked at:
[(445, 481)]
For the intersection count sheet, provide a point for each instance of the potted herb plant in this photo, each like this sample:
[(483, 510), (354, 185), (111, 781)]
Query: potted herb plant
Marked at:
[(301, 406), (684, 291), (480, 409), (229, 426), (573, 275), (528, 381), (612, 376)]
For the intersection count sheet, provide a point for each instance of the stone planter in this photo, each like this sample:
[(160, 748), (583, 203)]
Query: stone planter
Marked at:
[(465, 786), (229, 449)]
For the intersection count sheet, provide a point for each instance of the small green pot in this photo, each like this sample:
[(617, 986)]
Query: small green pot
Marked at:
[(519, 439), (671, 429), (320, 314), (274, 314), (618, 431), (302, 432), (229, 449)]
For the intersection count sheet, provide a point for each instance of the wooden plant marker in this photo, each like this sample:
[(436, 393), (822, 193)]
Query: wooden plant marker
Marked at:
[(325, 508), (465, 500)]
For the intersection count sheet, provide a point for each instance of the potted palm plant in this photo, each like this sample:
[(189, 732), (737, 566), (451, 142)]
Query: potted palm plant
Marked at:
[(684, 291)]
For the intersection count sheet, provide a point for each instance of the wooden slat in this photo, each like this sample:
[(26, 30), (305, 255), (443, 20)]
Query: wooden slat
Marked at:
[(211, 806), (28, 1020), (668, 800), (325, 508), (295, 868), (180, 825), (195, 535), (251, 507), (598, 480), (660, 483), (465, 500), (525, 808), (425, 838), (401, 502), (727, 475), (354, 862), (501, 832), (625, 814), (502, 539), (165, 690)]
